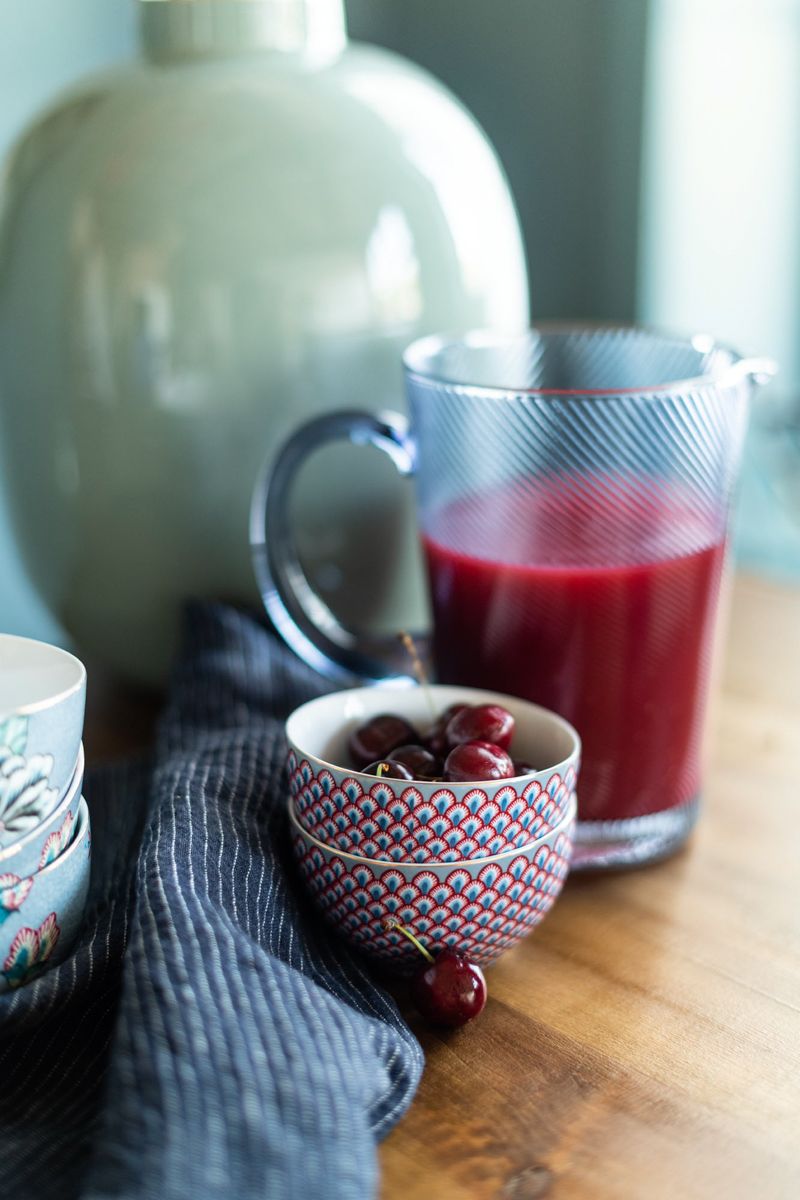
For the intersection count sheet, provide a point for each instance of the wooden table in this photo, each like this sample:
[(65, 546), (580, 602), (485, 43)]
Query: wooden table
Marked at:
[(645, 1042)]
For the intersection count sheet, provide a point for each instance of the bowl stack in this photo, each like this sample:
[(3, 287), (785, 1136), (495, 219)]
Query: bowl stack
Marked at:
[(44, 822), (468, 866)]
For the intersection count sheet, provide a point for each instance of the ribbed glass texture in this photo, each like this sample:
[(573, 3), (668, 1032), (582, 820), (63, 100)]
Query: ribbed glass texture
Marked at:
[(639, 434), (574, 488)]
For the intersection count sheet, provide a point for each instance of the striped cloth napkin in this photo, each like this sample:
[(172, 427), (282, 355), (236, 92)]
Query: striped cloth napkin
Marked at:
[(207, 1038)]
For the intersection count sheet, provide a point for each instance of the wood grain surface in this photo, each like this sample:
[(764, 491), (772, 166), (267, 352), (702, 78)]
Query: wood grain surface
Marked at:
[(645, 1041)]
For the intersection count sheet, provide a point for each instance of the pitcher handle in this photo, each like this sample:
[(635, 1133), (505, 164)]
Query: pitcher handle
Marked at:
[(758, 370), (297, 611)]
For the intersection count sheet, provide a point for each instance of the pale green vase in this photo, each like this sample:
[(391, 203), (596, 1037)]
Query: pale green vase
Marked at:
[(196, 254)]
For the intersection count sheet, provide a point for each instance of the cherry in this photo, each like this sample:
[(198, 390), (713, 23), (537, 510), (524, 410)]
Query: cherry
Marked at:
[(419, 761), (450, 991), (434, 742), (388, 768), (523, 768), (378, 737), (451, 711), (477, 761), (480, 723), (467, 743), (446, 990), (435, 739)]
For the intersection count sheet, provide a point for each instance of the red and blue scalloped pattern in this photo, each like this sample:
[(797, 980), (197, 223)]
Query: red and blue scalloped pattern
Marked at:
[(480, 914), (395, 822)]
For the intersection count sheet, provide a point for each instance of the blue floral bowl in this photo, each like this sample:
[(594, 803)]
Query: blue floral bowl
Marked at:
[(41, 915), (46, 840), (42, 700)]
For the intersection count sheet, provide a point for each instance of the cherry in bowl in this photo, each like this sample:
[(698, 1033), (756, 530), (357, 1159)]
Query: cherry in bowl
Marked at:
[(465, 743), (443, 813)]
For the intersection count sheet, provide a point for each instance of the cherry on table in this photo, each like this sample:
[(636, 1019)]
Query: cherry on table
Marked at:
[(448, 989), (477, 762), (378, 737), (480, 723)]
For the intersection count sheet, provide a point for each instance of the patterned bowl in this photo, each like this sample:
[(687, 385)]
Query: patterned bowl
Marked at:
[(41, 915), (42, 698), (48, 838), (480, 907), (394, 820)]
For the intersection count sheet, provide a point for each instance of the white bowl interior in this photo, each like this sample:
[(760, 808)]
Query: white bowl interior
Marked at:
[(35, 675), (321, 728)]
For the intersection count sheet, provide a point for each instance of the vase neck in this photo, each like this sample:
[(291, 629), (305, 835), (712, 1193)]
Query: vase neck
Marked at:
[(175, 30)]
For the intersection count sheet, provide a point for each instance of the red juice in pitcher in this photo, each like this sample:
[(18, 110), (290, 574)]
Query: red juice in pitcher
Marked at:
[(573, 486), (556, 612)]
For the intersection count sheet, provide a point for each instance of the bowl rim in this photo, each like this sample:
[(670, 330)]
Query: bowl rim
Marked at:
[(56, 698), (7, 853), (77, 837), (498, 697), (567, 819)]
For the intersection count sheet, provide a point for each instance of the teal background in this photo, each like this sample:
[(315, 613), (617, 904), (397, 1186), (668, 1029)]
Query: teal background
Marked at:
[(44, 46)]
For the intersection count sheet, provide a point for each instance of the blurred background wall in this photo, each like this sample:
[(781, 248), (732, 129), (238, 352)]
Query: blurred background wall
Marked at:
[(559, 89), (43, 47), (719, 227), (653, 147)]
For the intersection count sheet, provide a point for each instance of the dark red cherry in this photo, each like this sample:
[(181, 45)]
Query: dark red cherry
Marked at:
[(450, 712), (481, 723), (435, 743), (388, 768), (435, 738), (450, 990), (473, 762), (419, 761), (523, 768), (379, 737)]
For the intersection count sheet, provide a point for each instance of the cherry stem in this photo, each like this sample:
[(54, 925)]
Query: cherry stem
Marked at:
[(382, 769), (418, 669), (391, 924)]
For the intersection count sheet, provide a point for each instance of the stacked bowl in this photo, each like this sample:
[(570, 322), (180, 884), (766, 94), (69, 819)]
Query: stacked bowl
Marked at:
[(471, 867), (44, 822)]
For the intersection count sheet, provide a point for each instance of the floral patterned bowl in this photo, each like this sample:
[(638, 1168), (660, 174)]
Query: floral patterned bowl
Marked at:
[(49, 837), (393, 820), (478, 907), (41, 915), (42, 698)]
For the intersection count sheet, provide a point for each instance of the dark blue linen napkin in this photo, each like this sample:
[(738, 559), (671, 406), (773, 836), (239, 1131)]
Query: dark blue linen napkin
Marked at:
[(208, 1037)]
